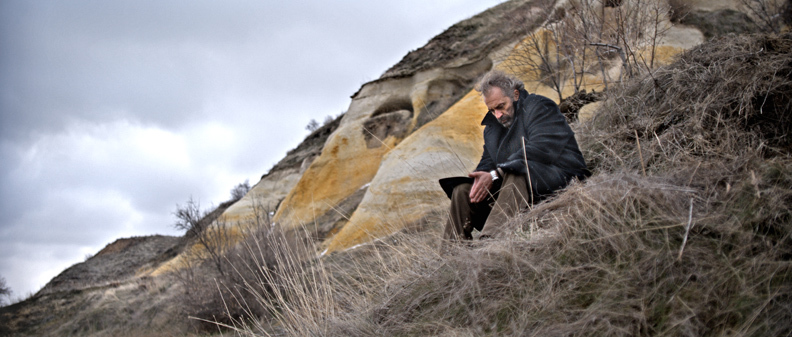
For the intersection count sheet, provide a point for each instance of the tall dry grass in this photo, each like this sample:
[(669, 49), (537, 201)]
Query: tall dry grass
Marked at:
[(683, 230)]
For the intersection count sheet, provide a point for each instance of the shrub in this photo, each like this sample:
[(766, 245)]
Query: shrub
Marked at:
[(312, 126), (240, 190), (5, 291), (586, 36)]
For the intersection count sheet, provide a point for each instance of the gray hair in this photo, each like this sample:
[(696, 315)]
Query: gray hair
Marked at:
[(497, 78)]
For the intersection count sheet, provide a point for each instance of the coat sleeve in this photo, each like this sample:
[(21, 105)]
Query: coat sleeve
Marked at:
[(486, 163), (546, 135)]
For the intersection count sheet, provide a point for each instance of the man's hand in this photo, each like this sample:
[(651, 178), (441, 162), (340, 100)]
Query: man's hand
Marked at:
[(481, 186)]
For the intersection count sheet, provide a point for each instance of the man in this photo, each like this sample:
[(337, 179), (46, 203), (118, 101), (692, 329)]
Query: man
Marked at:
[(524, 135)]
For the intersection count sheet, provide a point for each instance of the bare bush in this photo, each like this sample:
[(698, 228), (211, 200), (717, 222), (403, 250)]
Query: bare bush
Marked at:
[(211, 240), (203, 265), (769, 15), (244, 296), (232, 273), (312, 126), (240, 190), (5, 291), (586, 36), (280, 282), (555, 54)]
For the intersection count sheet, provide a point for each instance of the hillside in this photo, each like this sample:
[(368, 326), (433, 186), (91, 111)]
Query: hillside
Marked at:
[(684, 228)]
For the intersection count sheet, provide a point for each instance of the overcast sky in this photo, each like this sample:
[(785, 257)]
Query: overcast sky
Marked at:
[(112, 112)]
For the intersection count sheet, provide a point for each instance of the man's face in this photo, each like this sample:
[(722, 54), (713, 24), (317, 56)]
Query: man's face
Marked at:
[(500, 105)]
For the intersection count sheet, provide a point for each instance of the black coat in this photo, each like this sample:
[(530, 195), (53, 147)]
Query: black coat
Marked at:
[(553, 156)]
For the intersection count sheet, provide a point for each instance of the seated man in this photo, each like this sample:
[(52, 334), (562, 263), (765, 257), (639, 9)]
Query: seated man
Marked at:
[(525, 135)]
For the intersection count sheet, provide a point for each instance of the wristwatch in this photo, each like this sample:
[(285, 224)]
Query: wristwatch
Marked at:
[(494, 175)]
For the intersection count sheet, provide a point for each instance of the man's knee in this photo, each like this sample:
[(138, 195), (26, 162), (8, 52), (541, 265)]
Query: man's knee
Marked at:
[(514, 178), (461, 193)]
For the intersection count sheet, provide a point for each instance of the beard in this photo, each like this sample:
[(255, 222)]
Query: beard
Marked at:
[(506, 120)]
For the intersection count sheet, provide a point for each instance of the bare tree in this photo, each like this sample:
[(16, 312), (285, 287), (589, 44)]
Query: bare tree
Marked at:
[(5, 291), (584, 37), (221, 271), (551, 55), (212, 240), (312, 125), (541, 59), (240, 190)]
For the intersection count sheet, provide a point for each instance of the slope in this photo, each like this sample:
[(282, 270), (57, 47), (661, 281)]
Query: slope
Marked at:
[(685, 229)]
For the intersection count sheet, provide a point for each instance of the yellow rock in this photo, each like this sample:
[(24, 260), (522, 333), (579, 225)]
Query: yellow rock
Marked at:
[(346, 164), (405, 187), (379, 117), (349, 158)]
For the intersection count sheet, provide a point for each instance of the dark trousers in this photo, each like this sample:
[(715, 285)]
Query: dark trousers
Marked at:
[(489, 216)]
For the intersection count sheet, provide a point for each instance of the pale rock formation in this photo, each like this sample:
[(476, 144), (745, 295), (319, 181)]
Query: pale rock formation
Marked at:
[(405, 187), (264, 196), (380, 116), (682, 37), (409, 95), (377, 173)]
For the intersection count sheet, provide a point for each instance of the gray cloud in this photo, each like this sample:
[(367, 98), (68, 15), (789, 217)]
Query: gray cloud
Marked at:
[(112, 112)]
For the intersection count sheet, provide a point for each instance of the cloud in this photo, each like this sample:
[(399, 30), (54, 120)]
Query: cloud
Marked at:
[(112, 112), (82, 188)]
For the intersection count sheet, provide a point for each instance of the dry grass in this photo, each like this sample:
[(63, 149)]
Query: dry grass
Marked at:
[(699, 244), (718, 105)]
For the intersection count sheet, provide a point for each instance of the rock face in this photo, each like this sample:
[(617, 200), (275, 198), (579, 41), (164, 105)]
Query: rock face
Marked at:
[(377, 172), (405, 187), (473, 39), (380, 116), (386, 111)]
